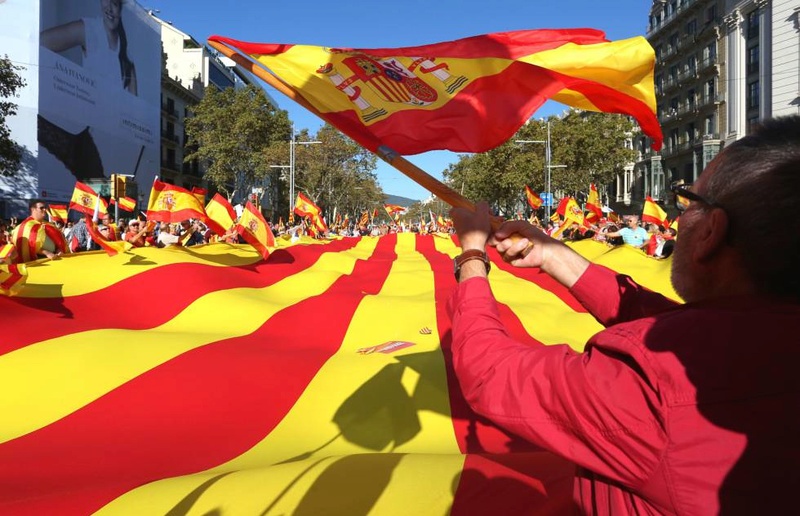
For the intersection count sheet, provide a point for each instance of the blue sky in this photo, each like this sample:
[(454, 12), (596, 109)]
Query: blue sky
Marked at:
[(361, 23)]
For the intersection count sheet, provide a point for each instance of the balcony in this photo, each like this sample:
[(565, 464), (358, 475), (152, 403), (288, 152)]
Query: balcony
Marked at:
[(169, 165), (683, 6), (171, 137), (169, 111)]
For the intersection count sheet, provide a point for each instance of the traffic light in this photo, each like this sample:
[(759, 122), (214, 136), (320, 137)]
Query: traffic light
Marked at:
[(113, 186), (120, 183)]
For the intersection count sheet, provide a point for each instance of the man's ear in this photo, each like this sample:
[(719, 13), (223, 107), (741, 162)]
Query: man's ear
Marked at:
[(712, 232)]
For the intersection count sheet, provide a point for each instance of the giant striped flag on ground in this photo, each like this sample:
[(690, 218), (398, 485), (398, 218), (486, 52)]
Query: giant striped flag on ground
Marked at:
[(468, 95), (318, 381)]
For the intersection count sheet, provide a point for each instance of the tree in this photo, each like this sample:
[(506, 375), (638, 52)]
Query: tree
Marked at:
[(231, 131), (337, 173), (592, 146), (10, 83)]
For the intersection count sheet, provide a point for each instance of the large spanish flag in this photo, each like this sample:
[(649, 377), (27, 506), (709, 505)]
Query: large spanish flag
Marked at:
[(170, 203), (534, 201), (266, 386), (255, 230), (305, 207), (127, 204), (220, 215), (653, 213), (85, 199), (468, 95)]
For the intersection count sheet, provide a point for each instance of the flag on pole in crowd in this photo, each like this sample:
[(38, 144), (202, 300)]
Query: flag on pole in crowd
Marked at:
[(393, 210), (400, 97), (84, 200), (127, 204), (111, 246), (57, 212), (220, 215), (534, 201), (561, 209), (254, 229), (200, 194), (304, 206), (653, 213), (364, 220), (171, 203), (594, 211), (346, 221), (573, 214)]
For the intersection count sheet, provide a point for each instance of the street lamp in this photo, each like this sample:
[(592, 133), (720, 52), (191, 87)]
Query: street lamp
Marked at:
[(547, 168), (292, 144)]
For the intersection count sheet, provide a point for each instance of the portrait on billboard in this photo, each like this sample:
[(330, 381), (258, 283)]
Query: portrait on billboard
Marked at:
[(99, 98)]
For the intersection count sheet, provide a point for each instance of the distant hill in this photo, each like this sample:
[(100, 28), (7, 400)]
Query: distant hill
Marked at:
[(400, 201)]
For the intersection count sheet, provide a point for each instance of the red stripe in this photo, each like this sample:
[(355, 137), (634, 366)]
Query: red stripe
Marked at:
[(56, 316), (184, 416), (474, 433), (507, 45)]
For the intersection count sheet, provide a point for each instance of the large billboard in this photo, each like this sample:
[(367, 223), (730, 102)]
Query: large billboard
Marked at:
[(99, 84)]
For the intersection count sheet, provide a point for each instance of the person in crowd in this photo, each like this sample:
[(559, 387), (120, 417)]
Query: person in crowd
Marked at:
[(633, 234), (102, 39), (672, 408), (136, 233), (108, 220), (191, 233), (167, 235), (36, 238)]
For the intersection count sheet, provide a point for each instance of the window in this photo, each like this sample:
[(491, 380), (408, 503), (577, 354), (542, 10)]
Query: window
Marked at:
[(673, 73), (710, 90), (691, 27), (690, 99), (752, 59), (753, 94), (752, 122), (753, 24), (710, 125), (711, 14)]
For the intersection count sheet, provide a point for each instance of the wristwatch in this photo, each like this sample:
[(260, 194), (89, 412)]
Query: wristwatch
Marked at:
[(472, 254)]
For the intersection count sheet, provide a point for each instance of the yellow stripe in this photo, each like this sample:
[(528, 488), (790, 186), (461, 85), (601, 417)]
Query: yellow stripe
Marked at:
[(39, 380), (412, 384)]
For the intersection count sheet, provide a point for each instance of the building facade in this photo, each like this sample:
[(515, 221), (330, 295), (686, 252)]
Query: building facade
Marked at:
[(721, 67)]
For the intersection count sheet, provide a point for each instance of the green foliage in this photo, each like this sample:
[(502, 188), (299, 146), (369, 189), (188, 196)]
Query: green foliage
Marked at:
[(591, 145), (231, 131), (336, 173), (10, 83)]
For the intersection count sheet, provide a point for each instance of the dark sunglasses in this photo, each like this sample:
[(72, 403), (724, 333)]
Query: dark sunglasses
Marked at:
[(684, 195)]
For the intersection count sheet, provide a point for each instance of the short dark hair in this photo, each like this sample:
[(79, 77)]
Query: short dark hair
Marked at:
[(33, 202), (757, 179)]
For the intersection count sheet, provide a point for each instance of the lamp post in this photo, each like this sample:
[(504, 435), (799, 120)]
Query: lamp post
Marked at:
[(292, 143), (547, 168)]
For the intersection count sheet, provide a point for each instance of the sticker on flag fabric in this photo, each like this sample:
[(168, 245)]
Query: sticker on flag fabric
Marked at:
[(386, 347)]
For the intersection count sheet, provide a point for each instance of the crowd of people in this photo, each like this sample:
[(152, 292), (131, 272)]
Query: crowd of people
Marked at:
[(656, 241)]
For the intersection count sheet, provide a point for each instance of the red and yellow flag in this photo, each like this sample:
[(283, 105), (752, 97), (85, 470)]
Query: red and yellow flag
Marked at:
[(271, 374), (57, 212), (534, 201), (220, 215), (84, 200), (29, 239), (200, 194), (364, 220), (170, 203), (400, 97), (111, 246), (255, 230), (594, 212), (304, 206), (127, 204), (653, 213), (12, 278), (394, 210)]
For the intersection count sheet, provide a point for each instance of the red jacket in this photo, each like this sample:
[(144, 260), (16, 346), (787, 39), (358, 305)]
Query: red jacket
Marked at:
[(691, 409)]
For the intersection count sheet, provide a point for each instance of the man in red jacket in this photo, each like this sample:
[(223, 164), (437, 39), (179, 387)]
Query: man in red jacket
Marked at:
[(673, 408)]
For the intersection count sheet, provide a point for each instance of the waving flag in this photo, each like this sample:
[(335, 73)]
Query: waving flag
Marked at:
[(265, 387), (534, 201), (12, 278), (305, 207), (468, 95), (200, 194), (170, 203), (220, 215), (255, 230), (57, 212), (127, 204), (84, 200), (653, 213), (394, 210), (594, 212)]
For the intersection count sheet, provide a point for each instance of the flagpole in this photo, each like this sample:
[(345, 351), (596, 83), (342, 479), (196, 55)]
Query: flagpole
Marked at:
[(419, 176)]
